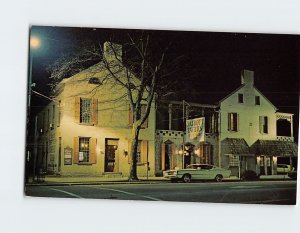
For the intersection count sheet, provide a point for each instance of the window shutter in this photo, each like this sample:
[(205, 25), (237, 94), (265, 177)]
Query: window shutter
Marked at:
[(237, 122), (266, 127), (144, 151), (130, 117), (174, 160), (76, 150), (129, 150), (163, 154), (260, 124), (93, 153), (95, 111), (77, 109), (143, 110), (229, 121)]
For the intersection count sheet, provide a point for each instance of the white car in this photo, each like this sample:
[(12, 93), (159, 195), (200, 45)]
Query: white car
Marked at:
[(284, 168), (197, 172)]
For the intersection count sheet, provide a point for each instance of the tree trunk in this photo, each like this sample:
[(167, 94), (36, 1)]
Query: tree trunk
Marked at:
[(133, 154)]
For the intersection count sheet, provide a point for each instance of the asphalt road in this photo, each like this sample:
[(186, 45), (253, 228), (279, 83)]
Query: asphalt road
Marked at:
[(261, 192)]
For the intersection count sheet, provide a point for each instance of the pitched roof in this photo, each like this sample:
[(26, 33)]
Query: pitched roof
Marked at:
[(236, 146), (275, 148)]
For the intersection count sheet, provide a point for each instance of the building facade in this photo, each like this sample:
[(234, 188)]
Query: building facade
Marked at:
[(87, 129)]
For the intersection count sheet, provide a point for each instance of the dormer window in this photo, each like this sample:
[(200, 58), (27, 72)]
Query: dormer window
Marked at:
[(241, 98), (94, 80)]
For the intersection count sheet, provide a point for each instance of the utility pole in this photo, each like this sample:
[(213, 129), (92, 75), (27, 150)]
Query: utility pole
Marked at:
[(183, 139)]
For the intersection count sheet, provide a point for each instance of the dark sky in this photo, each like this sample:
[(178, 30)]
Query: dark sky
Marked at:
[(210, 66)]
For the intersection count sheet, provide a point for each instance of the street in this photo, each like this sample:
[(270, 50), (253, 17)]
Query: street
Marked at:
[(260, 192)]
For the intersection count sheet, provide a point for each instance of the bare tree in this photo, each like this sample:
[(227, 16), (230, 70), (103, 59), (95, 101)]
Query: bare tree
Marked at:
[(140, 70)]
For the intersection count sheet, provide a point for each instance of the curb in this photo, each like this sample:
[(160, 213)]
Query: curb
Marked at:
[(94, 183)]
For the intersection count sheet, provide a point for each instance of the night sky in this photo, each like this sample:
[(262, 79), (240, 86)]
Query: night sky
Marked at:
[(210, 65)]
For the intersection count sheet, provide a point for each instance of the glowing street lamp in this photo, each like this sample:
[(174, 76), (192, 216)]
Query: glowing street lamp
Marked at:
[(34, 44)]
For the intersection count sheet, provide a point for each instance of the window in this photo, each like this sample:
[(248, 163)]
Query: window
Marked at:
[(263, 124), (143, 110), (205, 153), (85, 111), (84, 145), (59, 113), (241, 98), (234, 160), (53, 116), (257, 100), (233, 119), (84, 150), (48, 119)]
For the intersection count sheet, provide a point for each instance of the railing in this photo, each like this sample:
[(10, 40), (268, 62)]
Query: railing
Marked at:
[(285, 138)]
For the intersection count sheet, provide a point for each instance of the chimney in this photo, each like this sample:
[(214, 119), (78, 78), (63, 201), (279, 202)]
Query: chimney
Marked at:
[(247, 77), (112, 51)]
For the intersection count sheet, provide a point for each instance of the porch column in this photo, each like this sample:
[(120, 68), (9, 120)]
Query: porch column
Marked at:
[(275, 165), (265, 165), (292, 133), (170, 116), (162, 156)]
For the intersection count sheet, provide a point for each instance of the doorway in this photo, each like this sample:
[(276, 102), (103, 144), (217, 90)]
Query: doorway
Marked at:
[(110, 161)]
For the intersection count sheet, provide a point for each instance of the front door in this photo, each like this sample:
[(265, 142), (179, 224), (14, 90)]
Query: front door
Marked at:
[(111, 147)]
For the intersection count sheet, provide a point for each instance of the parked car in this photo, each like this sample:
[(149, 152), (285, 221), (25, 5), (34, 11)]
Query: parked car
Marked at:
[(284, 168), (293, 175), (197, 172), (249, 175)]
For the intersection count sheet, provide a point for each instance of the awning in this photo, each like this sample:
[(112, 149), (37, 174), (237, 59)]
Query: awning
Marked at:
[(274, 148), (236, 146)]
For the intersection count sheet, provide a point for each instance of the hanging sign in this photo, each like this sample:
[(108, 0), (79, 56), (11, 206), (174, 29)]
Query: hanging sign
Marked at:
[(195, 128)]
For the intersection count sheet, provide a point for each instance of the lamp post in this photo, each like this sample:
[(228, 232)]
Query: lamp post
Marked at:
[(184, 118), (34, 44)]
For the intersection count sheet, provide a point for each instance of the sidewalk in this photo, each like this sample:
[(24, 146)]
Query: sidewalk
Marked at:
[(86, 180)]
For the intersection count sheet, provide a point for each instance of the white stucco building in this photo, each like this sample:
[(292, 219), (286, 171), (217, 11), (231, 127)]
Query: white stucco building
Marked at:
[(241, 132)]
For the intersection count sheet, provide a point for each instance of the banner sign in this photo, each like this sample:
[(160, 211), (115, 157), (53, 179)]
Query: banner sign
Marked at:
[(195, 128)]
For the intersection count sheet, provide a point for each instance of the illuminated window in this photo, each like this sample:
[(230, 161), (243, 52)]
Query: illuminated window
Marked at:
[(84, 147)]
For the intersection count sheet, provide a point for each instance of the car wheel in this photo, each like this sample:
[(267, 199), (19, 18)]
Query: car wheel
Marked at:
[(174, 180), (186, 178), (219, 178)]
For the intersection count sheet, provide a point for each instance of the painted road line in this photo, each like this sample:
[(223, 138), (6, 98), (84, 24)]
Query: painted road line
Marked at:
[(152, 198), (62, 191), (128, 193), (264, 201), (246, 187), (115, 190)]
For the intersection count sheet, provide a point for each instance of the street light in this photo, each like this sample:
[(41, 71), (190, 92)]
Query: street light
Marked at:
[(34, 44)]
